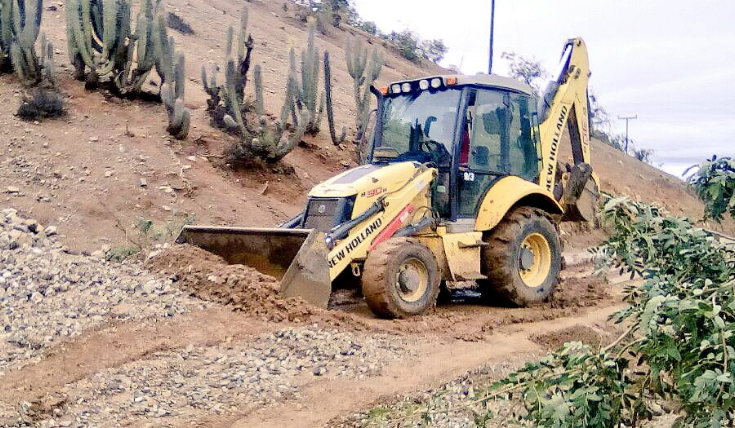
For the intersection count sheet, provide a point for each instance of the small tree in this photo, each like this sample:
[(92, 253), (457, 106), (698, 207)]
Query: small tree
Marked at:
[(434, 50), (714, 182), (407, 44), (643, 155), (528, 70)]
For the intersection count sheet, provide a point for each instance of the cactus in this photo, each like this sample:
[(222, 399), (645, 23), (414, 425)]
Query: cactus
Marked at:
[(140, 50), (330, 110), (97, 33), (309, 90), (25, 27), (6, 35), (363, 74), (47, 68), (218, 104), (269, 143), (171, 68)]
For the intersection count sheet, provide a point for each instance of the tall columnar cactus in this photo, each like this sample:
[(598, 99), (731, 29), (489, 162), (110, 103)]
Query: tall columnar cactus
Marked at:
[(140, 50), (171, 68), (6, 34), (47, 69), (330, 108), (308, 94), (219, 104), (363, 74), (97, 33), (26, 24), (269, 144)]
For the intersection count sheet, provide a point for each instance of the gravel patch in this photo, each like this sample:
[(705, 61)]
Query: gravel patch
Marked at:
[(48, 295), (216, 380), (451, 405)]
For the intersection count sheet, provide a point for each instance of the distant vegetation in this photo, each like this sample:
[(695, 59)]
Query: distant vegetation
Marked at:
[(533, 73), (333, 13)]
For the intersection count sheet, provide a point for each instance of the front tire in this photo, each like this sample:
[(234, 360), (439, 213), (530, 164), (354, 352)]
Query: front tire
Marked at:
[(400, 279), (523, 261)]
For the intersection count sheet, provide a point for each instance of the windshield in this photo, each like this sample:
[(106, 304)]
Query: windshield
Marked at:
[(418, 126)]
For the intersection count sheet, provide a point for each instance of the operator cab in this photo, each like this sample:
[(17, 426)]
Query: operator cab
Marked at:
[(473, 129)]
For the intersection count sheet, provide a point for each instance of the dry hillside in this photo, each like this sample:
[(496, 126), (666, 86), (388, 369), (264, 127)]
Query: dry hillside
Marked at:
[(94, 179)]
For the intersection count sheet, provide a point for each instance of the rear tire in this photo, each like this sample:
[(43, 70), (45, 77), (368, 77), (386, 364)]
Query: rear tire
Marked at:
[(523, 261), (400, 279)]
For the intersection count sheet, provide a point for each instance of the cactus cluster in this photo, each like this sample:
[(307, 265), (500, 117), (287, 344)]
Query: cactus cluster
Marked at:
[(98, 32), (219, 104), (268, 143), (20, 24), (103, 44), (364, 66)]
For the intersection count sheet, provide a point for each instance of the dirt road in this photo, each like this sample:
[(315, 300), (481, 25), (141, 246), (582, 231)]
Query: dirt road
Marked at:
[(206, 363)]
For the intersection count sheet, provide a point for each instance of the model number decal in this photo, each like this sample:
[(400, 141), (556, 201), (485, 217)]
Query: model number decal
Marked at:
[(345, 251), (374, 192)]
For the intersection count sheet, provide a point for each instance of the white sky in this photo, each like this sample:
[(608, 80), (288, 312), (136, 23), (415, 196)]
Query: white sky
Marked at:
[(671, 62)]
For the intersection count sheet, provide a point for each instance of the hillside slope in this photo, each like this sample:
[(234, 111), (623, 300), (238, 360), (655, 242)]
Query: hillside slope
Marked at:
[(109, 163)]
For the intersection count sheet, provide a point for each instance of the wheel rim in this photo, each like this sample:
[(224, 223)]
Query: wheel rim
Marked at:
[(535, 260), (412, 280)]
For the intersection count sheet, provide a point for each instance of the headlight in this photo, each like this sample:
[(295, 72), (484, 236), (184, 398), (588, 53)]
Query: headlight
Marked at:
[(436, 83), (396, 89), (424, 85), (406, 87)]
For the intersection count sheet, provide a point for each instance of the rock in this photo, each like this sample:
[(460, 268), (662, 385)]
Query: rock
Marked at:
[(32, 225), (150, 286), (13, 190), (36, 297), (50, 231), (109, 174), (94, 139), (142, 182)]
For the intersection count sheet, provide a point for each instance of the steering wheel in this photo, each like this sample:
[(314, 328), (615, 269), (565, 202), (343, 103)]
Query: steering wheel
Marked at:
[(437, 151)]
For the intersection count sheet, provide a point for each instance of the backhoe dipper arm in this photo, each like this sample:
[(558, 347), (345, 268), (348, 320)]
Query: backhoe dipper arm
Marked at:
[(565, 103)]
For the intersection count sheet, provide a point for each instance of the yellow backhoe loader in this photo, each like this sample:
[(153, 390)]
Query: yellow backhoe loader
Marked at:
[(462, 184)]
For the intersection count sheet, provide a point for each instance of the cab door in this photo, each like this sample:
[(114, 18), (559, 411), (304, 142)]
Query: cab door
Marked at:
[(498, 140)]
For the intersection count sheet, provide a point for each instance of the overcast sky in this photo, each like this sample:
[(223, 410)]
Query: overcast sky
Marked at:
[(671, 62)]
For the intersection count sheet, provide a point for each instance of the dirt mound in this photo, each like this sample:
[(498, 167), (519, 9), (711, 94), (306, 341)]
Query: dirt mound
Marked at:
[(577, 333), (210, 278), (580, 292)]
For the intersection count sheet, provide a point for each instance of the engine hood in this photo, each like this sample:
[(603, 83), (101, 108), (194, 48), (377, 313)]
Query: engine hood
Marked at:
[(368, 179)]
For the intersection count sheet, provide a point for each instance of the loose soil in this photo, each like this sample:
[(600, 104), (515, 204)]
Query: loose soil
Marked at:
[(242, 288), (109, 164)]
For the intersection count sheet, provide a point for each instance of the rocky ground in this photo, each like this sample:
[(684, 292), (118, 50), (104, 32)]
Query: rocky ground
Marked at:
[(50, 296)]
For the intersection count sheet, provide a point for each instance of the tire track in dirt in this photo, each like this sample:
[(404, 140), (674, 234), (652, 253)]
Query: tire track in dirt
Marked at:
[(121, 344), (440, 361)]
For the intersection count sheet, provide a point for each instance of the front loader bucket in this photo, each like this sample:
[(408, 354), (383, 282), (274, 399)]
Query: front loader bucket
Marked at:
[(297, 257)]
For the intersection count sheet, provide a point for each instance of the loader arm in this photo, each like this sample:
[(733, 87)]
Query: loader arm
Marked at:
[(565, 104)]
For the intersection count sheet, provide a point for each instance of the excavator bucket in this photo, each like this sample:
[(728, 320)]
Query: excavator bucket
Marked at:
[(297, 257)]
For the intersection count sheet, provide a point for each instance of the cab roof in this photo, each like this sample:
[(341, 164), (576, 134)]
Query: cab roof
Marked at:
[(483, 80)]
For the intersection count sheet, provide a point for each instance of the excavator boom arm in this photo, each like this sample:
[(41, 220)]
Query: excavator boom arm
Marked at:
[(565, 104)]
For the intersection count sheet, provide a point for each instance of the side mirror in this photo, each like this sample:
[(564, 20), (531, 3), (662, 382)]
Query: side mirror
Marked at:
[(427, 124)]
